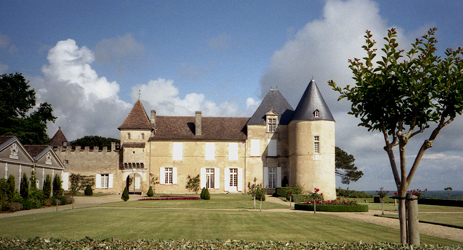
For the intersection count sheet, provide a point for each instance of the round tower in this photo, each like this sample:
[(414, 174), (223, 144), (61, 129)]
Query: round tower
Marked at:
[(312, 144)]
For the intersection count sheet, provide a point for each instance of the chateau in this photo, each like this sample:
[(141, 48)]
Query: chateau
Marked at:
[(276, 146)]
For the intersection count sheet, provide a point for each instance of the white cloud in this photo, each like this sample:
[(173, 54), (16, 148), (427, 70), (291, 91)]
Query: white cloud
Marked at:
[(163, 96)]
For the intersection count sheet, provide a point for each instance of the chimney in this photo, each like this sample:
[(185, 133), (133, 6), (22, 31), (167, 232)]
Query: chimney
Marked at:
[(153, 117), (198, 123), (113, 146)]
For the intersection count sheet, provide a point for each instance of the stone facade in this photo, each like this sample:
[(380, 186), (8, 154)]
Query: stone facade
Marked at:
[(276, 146)]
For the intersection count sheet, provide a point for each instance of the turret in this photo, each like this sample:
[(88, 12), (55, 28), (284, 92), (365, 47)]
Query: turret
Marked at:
[(312, 144)]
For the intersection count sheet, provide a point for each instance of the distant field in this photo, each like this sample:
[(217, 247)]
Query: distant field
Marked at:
[(455, 194)]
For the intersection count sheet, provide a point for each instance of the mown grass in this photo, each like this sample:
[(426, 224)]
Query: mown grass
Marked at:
[(449, 219), (216, 202), (391, 207), (193, 224)]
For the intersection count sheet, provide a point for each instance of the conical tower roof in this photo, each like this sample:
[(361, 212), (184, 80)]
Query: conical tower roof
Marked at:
[(273, 100), (58, 139), (311, 102), (137, 118)]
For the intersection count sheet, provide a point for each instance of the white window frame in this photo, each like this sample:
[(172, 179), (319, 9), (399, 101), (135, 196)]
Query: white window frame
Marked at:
[(169, 175), (272, 124), (233, 151), (162, 175), (316, 144), (255, 147), (210, 178), (210, 151), (272, 178), (177, 151), (272, 147)]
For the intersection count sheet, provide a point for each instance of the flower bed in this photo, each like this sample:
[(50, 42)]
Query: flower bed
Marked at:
[(169, 198)]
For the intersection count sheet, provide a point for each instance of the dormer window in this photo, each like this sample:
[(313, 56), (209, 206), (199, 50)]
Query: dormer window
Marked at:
[(272, 121), (316, 113)]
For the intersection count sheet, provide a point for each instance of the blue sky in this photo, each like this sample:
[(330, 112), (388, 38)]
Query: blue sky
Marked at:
[(89, 59)]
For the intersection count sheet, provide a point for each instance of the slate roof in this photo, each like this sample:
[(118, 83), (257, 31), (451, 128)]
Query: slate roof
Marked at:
[(5, 138), (137, 118), (213, 128), (276, 100), (58, 139), (35, 150), (310, 101)]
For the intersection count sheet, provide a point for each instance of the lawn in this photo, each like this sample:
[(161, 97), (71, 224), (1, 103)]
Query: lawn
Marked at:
[(449, 219), (193, 224), (216, 202), (391, 207)]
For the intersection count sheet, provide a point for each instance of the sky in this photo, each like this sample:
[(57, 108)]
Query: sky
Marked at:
[(91, 60)]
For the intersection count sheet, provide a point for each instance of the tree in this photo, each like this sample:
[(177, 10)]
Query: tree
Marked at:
[(57, 190), (47, 187), (24, 191), (345, 167), (193, 183), (93, 140), (125, 195), (16, 118), (448, 189), (79, 182), (11, 184), (402, 97)]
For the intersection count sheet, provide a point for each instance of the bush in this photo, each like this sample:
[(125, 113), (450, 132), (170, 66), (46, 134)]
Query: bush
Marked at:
[(125, 195), (57, 190), (283, 191), (331, 208), (24, 189), (260, 194), (10, 187), (69, 199), (56, 202), (150, 192), (47, 202), (88, 190), (205, 194), (15, 206), (27, 205), (47, 187)]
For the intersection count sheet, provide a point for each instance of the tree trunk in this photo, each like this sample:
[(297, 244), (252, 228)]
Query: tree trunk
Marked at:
[(402, 220)]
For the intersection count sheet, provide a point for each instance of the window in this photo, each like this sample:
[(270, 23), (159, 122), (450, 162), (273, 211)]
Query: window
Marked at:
[(316, 113), (178, 151), (168, 175), (272, 177), (233, 177), (128, 136), (142, 136), (104, 180), (65, 144), (272, 148), (255, 148), (316, 144), (271, 124), (210, 178), (233, 151), (66, 161), (210, 151)]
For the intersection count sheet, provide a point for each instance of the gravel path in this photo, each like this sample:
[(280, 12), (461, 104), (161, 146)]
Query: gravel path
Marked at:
[(425, 228)]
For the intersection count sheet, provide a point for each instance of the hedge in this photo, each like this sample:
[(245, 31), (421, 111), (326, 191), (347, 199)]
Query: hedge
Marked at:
[(282, 191), (441, 202), (333, 208)]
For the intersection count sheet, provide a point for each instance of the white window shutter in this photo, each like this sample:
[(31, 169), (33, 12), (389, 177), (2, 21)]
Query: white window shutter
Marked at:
[(279, 177), (110, 181), (65, 179), (272, 148), (240, 179), (203, 178), (233, 151), (217, 178), (210, 151), (98, 181), (177, 151), (162, 176), (255, 147), (265, 177), (227, 179), (174, 175)]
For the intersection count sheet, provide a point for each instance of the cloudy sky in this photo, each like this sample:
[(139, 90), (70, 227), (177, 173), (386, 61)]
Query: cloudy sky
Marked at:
[(91, 59)]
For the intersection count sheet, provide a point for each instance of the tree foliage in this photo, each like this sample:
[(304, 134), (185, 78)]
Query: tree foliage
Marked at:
[(193, 183), (57, 189), (79, 182), (402, 94), (16, 102), (24, 191), (345, 167), (125, 194), (93, 140), (47, 187)]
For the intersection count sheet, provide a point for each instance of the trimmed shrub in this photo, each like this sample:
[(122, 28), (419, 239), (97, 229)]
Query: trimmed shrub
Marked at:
[(125, 195), (24, 189), (88, 190), (332, 208), (57, 190), (56, 202), (15, 206), (150, 192), (10, 187), (27, 205), (47, 202), (283, 191), (69, 199), (441, 202), (205, 194), (47, 187)]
